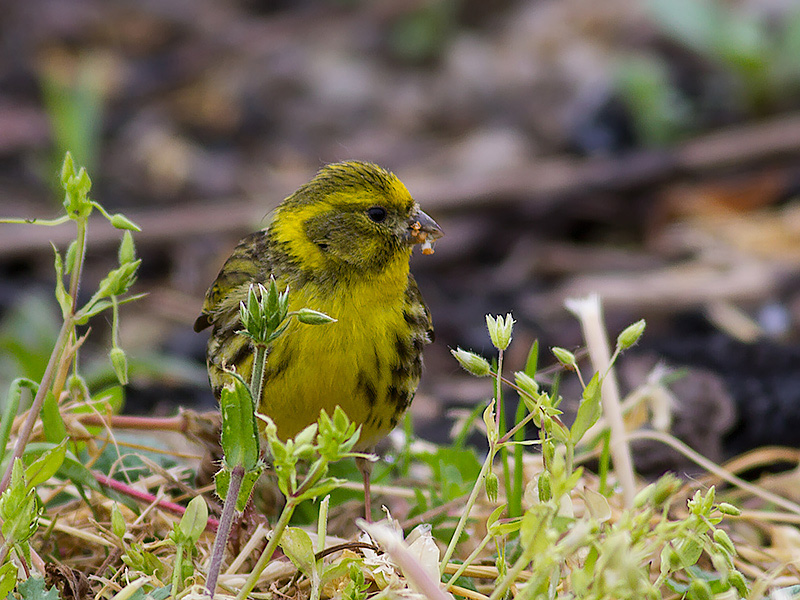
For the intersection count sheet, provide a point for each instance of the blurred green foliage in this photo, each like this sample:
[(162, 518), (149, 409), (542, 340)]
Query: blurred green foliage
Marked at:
[(422, 33), (75, 109), (749, 64), (27, 334)]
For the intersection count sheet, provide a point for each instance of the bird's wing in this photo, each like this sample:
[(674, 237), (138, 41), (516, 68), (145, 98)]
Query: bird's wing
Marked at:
[(248, 264), (414, 297)]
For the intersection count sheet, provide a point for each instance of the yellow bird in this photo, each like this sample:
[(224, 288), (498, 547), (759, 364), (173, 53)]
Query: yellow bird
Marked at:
[(342, 243)]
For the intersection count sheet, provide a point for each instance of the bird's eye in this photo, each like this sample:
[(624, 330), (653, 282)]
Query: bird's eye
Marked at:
[(377, 214)]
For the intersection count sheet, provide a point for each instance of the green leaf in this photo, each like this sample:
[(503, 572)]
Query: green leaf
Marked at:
[(240, 440), (71, 468), (161, 593), (497, 528), (297, 545), (118, 280), (34, 588), (194, 520), (69, 258), (44, 467), (92, 308), (597, 505), (246, 488), (495, 516), (325, 486), (533, 530), (127, 250), (18, 508), (11, 408), (63, 298), (8, 578), (278, 332), (77, 472), (532, 364), (52, 423), (688, 551), (222, 481), (589, 410), (118, 525), (489, 420)]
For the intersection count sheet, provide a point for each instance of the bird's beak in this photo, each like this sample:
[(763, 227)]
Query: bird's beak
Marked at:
[(422, 230)]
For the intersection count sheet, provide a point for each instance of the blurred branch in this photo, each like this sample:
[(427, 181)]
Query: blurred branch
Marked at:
[(545, 182), (552, 178)]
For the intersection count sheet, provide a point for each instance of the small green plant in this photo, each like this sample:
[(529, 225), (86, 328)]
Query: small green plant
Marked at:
[(265, 316), (20, 506), (591, 556)]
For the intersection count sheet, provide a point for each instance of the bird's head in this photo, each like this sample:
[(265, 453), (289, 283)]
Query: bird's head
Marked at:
[(352, 216)]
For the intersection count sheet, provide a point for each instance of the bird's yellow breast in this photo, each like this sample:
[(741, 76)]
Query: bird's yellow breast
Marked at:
[(348, 363)]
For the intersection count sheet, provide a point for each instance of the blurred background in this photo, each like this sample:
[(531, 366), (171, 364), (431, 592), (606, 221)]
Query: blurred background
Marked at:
[(648, 150)]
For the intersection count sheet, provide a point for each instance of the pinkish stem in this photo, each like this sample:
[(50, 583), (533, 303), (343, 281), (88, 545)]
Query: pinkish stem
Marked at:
[(148, 498)]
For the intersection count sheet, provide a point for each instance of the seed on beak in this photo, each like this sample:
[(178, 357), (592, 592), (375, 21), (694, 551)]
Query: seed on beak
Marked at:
[(423, 230)]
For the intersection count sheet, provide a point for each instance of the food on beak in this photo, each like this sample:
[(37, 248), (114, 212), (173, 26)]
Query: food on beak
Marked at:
[(423, 230)]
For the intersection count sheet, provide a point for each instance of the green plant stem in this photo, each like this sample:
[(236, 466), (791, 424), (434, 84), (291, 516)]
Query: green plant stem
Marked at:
[(177, 569), (500, 413), (114, 321), (515, 494), (224, 530), (501, 424), (470, 559), (604, 461), (468, 508), (292, 502), (511, 576), (317, 470), (66, 333), (569, 458), (524, 422), (11, 408), (47, 222), (518, 427), (266, 556), (80, 256), (36, 406), (257, 376), (322, 524)]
